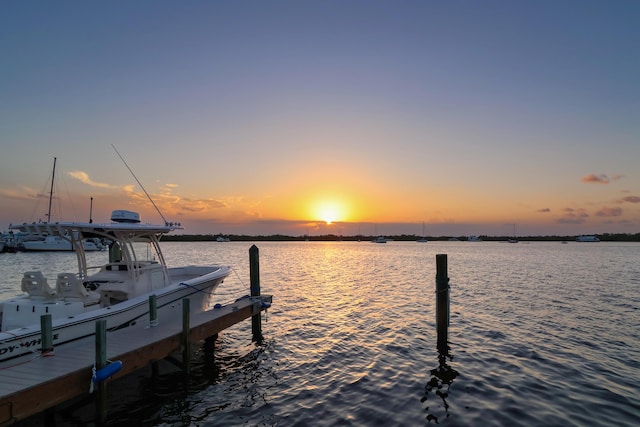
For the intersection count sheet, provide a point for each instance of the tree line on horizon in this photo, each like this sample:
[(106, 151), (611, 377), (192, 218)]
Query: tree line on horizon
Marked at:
[(605, 237)]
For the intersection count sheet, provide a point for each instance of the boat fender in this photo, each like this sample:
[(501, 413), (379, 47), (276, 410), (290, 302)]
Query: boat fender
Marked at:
[(106, 372), (217, 306)]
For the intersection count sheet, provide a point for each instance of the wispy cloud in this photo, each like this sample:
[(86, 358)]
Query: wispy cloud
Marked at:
[(600, 179), (84, 178), (573, 216), (544, 210), (608, 212), (596, 179), (631, 199), (24, 194)]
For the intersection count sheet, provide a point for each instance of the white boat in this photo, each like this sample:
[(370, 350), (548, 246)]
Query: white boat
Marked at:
[(61, 243), (587, 238), (474, 239), (380, 239), (46, 242), (222, 239), (117, 291)]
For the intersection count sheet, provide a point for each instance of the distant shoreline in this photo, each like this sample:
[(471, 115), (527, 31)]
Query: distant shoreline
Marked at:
[(402, 238)]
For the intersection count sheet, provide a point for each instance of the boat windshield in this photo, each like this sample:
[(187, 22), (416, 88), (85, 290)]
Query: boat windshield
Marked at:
[(144, 251)]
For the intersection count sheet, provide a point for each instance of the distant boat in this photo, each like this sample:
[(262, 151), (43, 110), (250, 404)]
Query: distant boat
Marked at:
[(513, 239), (474, 239), (61, 243), (380, 239), (423, 239), (222, 239), (587, 238)]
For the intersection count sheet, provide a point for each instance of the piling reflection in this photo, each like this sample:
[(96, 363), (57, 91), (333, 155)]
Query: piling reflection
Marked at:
[(437, 389)]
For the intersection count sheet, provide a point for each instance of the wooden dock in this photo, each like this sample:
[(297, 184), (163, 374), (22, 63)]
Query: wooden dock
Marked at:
[(33, 383)]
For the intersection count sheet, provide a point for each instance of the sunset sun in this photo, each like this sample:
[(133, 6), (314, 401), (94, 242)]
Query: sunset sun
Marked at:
[(329, 211)]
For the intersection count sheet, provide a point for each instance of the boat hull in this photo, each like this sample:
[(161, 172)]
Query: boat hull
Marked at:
[(133, 313)]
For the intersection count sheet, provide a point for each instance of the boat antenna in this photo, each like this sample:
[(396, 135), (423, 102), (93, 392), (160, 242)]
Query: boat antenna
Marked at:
[(140, 184), (53, 177)]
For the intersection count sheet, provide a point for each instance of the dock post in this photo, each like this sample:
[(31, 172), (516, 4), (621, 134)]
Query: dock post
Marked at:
[(46, 332), (186, 330), (254, 274), (101, 362), (210, 352), (442, 303), (153, 311)]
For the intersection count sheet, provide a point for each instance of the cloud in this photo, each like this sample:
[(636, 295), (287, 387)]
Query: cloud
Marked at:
[(84, 178), (596, 179), (573, 216), (631, 199), (607, 212), (544, 210), (601, 179), (24, 194)]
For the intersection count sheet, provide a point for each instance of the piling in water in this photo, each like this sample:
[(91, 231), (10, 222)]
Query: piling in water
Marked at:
[(254, 273), (186, 335), (101, 362), (442, 303)]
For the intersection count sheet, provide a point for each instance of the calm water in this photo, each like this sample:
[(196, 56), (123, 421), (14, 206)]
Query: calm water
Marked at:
[(542, 334)]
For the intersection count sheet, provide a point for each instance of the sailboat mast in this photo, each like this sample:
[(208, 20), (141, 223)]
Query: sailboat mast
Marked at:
[(53, 177)]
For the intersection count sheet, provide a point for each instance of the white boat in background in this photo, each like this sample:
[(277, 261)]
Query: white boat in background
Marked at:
[(61, 243), (380, 239), (222, 239), (587, 238), (47, 242), (474, 239), (118, 291)]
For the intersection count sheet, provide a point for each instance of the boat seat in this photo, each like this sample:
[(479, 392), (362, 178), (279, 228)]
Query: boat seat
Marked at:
[(72, 289), (35, 284)]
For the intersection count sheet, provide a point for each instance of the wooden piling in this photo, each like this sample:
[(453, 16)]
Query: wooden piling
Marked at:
[(442, 303), (101, 362), (186, 332), (254, 274), (153, 311), (46, 333)]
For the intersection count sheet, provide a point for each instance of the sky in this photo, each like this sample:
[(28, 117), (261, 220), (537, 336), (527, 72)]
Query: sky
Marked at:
[(314, 117)]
